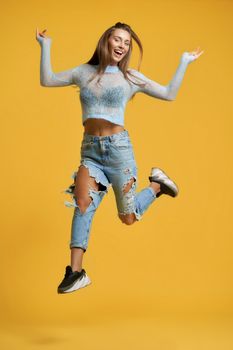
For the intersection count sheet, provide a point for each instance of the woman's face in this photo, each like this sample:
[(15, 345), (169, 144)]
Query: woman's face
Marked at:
[(119, 44)]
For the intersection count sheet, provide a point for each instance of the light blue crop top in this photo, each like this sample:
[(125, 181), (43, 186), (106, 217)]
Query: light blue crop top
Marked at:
[(108, 100)]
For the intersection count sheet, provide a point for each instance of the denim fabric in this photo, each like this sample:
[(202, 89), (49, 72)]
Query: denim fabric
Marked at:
[(110, 160)]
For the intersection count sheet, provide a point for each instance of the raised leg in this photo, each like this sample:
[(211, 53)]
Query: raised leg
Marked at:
[(130, 218)]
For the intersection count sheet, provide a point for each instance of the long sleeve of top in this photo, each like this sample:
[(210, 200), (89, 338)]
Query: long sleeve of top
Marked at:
[(154, 89), (107, 100), (47, 76)]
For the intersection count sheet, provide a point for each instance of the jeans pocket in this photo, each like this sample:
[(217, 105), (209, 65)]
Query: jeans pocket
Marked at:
[(121, 144), (86, 143)]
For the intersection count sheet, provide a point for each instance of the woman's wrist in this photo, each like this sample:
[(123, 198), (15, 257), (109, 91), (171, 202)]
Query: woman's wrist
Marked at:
[(45, 43), (184, 59)]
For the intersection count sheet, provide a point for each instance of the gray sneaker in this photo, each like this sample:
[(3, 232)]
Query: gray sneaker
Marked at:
[(167, 186)]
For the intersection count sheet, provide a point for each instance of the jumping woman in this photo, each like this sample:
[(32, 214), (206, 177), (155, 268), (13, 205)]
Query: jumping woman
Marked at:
[(107, 159)]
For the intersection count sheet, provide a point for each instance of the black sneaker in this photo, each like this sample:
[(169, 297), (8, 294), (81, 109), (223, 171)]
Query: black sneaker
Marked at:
[(73, 280)]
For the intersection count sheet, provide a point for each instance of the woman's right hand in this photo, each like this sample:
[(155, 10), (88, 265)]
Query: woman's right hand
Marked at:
[(40, 36), (191, 56)]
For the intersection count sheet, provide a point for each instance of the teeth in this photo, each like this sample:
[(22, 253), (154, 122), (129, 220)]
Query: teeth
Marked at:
[(118, 51)]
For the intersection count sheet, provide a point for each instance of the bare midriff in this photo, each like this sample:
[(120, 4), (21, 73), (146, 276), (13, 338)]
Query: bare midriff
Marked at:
[(101, 127)]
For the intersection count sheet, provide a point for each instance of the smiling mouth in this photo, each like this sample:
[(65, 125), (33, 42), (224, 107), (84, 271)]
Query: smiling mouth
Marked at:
[(117, 53)]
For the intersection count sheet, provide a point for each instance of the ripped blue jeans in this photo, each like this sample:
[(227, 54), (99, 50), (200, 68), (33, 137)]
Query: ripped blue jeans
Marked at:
[(110, 160)]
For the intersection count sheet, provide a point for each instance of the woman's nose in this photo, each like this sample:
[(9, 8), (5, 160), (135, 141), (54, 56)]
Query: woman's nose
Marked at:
[(121, 46)]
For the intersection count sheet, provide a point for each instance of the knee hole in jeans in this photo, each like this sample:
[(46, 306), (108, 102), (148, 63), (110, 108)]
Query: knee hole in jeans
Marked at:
[(85, 202), (128, 218)]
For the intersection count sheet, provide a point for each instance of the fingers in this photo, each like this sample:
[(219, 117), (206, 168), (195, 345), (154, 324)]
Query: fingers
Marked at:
[(200, 53), (40, 33), (197, 52)]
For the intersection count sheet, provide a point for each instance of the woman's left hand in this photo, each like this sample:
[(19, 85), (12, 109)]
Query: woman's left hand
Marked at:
[(191, 56)]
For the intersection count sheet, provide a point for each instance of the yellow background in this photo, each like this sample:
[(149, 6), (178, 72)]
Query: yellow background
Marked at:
[(166, 281)]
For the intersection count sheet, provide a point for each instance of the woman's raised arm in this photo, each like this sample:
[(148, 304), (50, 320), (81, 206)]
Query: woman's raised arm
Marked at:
[(169, 91), (47, 76)]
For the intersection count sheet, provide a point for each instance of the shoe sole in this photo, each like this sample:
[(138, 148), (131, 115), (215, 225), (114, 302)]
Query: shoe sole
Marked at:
[(77, 285)]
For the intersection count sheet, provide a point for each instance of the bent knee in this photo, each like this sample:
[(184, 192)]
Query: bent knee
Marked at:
[(127, 219)]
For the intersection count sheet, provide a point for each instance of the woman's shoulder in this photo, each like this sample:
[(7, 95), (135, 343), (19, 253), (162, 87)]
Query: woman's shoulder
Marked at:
[(82, 72), (136, 73), (136, 76)]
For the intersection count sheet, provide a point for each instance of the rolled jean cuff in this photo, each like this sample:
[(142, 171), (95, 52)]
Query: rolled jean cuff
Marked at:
[(78, 245)]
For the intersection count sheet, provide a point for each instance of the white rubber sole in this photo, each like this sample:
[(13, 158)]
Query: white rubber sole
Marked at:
[(79, 284)]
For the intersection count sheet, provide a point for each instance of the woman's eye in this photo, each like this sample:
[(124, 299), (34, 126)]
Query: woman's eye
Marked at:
[(117, 40)]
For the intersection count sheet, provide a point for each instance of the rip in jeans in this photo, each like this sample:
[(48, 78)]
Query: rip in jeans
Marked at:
[(128, 196), (70, 190)]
